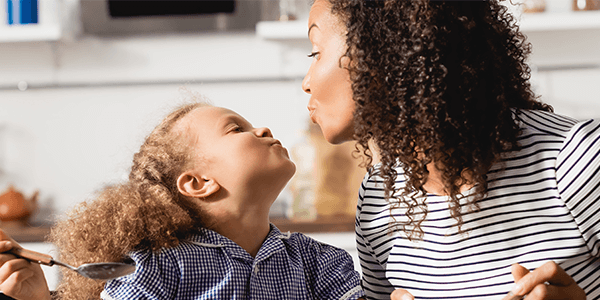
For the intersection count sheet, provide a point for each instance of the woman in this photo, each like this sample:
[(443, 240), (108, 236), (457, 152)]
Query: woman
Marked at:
[(470, 172), (437, 94)]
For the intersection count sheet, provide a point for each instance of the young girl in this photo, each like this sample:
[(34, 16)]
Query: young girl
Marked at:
[(194, 218)]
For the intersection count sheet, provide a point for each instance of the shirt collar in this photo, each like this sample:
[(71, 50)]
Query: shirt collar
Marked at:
[(211, 239)]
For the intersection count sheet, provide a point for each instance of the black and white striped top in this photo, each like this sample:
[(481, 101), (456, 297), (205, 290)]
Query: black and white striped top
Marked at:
[(543, 205)]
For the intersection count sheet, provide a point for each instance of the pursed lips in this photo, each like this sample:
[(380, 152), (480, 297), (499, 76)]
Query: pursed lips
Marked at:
[(278, 143), (311, 113)]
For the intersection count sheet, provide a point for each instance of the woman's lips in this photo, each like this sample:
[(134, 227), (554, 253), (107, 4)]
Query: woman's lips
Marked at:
[(311, 113)]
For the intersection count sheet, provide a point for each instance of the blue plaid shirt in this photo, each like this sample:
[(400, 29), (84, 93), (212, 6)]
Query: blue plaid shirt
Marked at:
[(211, 266)]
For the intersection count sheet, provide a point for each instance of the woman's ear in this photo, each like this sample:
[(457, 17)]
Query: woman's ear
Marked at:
[(193, 184)]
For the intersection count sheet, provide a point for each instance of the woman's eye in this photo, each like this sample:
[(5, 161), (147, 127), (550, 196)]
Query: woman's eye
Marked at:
[(314, 54)]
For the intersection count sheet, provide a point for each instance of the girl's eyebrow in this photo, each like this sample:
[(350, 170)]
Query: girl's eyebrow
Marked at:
[(227, 120)]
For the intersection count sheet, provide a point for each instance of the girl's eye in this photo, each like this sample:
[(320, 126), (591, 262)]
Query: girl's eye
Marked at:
[(236, 128), (314, 54)]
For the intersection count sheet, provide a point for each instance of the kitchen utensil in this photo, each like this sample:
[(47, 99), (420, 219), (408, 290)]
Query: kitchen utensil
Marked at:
[(102, 271)]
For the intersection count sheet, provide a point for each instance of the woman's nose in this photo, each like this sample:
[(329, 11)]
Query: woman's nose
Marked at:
[(263, 132), (306, 83)]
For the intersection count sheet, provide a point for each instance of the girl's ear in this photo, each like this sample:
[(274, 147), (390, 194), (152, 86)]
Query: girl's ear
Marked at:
[(193, 184)]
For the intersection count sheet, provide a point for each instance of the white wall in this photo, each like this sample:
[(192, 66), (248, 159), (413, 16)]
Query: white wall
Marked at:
[(90, 102), (566, 70)]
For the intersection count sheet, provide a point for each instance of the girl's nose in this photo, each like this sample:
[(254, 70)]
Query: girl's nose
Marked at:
[(306, 83), (263, 132)]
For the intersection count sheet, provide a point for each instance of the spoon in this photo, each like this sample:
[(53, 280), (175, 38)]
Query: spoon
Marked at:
[(102, 271)]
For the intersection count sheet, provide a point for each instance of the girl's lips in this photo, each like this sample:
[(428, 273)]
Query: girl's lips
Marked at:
[(277, 143)]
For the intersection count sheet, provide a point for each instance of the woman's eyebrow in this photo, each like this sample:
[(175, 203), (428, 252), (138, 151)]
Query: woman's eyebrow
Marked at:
[(311, 27)]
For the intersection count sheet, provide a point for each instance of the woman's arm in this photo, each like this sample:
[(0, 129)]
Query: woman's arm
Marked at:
[(19, 278)]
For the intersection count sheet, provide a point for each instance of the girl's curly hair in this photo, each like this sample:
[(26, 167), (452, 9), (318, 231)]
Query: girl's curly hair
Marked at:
[(146, 212), (435, 81)]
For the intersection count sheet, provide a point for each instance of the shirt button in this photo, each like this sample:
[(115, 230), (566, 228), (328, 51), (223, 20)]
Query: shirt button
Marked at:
[(255, 269)]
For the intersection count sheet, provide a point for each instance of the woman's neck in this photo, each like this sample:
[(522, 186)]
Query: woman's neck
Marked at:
[(435, 184)]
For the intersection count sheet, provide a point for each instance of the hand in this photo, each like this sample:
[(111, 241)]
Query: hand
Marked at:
[(20, 278), (549, 281), (401, 294)]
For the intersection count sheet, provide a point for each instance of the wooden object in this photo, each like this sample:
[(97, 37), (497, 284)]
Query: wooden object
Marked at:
[(337, 176), (27, 234), (40, 258), (534, 6), (586, 5), (333, 223)]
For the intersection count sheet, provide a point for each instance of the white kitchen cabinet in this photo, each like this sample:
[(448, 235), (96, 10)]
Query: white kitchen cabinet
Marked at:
[(57, 20), (533, 22)]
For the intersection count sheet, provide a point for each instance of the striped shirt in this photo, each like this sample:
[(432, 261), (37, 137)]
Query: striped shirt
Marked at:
[(543, 204), (211, 266)]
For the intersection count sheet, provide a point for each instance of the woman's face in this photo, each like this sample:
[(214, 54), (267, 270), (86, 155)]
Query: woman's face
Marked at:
[(328, 81)]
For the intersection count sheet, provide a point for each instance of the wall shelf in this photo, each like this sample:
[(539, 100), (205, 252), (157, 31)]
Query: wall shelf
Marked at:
[(27, 233), (534, 22), (30, 33), (282, 30), (339, 223), (57, 20), (574, 20)]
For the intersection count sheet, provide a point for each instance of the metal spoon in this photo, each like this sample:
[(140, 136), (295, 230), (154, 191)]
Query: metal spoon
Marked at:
[(102, 271)]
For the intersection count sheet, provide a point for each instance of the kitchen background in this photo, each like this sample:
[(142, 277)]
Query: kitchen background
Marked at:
[(79, 91)]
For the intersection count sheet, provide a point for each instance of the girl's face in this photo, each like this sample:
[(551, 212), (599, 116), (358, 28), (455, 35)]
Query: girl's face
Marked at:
[(234, 153), (328, 81)]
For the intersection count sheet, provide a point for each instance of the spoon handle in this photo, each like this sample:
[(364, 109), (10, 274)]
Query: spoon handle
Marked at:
[(37, 257)]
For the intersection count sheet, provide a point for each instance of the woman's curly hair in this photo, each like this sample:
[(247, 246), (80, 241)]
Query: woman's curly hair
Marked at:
[(146, 212), (435, 81)]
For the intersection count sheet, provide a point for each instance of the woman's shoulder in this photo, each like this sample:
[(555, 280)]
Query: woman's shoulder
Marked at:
[(373, 184), (554, 131), (538, 122)]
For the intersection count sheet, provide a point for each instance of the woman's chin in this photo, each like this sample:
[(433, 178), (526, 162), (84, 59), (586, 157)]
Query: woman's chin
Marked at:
[(338, 138)]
